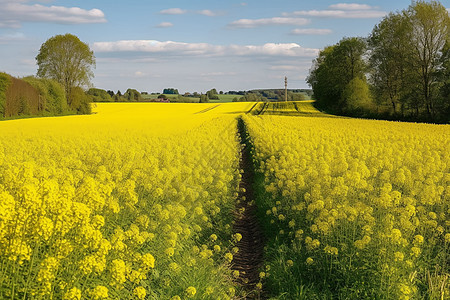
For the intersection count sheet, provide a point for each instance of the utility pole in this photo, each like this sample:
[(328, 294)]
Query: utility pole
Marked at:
[(285, 89)]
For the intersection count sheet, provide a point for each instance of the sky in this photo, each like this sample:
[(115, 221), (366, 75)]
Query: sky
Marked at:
[(191, 45)]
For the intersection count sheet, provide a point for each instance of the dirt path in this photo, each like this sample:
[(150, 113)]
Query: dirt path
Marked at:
[(249, 259)]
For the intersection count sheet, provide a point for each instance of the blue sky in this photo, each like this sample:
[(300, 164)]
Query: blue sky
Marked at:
[(191, 45)]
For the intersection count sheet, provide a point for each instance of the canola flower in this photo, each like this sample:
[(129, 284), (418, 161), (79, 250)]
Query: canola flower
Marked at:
[(109, 206), (358, 203)]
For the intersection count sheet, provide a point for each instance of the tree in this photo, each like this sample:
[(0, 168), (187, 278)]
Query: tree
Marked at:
[(212, 94), (430, 23), (52, 97), (333, 70), (170, 91), (444, 102), (390, 60), (357, 95), (5, 82), (132, 95), (203, 99), (67, 60), (99, 95), (80, 101)]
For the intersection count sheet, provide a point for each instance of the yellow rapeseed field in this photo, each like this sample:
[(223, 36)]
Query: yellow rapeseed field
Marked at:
[(132, 202), (136, 201), (357, 208)]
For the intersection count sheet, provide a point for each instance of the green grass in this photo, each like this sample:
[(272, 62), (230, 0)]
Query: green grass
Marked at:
[(225, 98)]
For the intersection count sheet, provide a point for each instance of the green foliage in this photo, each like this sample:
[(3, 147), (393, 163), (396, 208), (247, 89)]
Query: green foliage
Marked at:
[(170, 91), (253, 97), (99, 95), (132, 95), (79, 101), (212, 94), (5, 81), (357, 94), (52, 95), (333, 70), (204, 99), (67, 60), (407, 63)]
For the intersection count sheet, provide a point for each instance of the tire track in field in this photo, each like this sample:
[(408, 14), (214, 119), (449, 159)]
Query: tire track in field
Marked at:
[(207, 109), (249, 259)]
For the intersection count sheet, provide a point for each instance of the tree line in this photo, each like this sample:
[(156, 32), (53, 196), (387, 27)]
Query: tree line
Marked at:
[(64, 67), (400, 71)]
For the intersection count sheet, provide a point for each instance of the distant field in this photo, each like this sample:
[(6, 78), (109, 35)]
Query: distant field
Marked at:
[(226, 98)]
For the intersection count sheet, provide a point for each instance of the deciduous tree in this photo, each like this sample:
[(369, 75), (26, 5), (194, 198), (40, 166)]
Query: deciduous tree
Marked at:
[(67, 60)]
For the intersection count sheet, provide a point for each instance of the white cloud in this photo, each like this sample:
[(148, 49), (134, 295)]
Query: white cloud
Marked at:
[(204, 49), (13, 14), (207, 12), (351, 6), (173, 11), (164, 25), (179, 11), (18, 36), (252, 23), (311, 31), (332, 13)]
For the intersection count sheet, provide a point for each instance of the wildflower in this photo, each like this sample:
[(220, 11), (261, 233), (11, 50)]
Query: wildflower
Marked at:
[(100, 292), (72, 294), (118, 271), (418, 239), (398, 256), (170, 251), (309, 261), (237, 237), (191, 291), (229, 257), (140, 292)]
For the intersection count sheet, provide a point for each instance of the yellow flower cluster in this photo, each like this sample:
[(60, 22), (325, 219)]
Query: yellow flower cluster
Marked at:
[(354, 195), (110, 205)]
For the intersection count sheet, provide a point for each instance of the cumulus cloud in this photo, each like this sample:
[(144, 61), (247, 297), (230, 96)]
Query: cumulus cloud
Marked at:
[(164, 25), (173, 11), (179, 11), (204, 49), (14, 13), (207, 12), (252, 23), (351, 6), (311, 31)]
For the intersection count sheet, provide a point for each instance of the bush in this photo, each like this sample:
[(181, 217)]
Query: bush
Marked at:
[(99, 95), (52, 95), (132, 95), (5, 81), (79, 101)]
